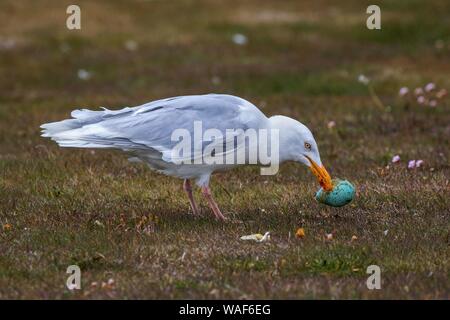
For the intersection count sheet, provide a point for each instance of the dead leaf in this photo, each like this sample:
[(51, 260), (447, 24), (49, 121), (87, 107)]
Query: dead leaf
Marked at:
[(258, 237), (300, 233)]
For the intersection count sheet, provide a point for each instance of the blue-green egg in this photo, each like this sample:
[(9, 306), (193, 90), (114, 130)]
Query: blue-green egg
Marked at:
[(343, 193)]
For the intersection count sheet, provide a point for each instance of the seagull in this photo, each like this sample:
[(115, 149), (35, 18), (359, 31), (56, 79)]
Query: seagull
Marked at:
[(146, 132)]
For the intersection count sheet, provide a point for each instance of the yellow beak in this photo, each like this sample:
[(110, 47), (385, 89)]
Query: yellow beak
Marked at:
[(322, 175)]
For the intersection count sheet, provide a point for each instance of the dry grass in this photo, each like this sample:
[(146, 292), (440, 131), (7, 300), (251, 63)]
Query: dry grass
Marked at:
[(119, 220)]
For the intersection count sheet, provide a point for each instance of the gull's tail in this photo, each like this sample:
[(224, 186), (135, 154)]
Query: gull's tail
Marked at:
[(86, 130)]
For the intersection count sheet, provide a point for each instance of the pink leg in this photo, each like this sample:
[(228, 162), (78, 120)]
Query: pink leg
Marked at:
[(215, 208), (188, 189)]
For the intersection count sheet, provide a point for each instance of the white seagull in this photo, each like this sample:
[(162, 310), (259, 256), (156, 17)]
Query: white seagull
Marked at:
[(146, 132)]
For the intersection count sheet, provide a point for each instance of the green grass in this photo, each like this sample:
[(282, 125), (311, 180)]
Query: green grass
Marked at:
[(120, 221)]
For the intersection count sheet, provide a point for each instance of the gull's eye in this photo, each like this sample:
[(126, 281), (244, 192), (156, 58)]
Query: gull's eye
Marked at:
[(307, 146)]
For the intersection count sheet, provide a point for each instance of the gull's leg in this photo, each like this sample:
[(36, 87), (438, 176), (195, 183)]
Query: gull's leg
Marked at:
[(215, 208), (188, 189)]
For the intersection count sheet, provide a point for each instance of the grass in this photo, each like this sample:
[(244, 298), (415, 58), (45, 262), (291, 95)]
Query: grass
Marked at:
[(120, 221)]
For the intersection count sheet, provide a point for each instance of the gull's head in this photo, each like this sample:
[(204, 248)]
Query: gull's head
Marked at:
[(297, 143)]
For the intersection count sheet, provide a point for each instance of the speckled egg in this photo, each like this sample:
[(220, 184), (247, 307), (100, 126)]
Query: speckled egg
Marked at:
[(343, 193)]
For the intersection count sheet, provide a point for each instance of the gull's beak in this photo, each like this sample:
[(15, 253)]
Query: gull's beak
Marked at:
[(322, 175)]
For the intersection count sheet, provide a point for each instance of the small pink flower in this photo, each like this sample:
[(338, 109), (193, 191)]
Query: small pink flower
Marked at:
[(432, 103), (418, 91), (430, 87), (331, 124), (395, 159), (403, 91), (412, 164), (421, 100), (441, 93), (419, 163)]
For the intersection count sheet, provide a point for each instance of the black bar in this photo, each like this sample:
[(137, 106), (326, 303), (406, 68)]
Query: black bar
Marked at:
[(223, 309)]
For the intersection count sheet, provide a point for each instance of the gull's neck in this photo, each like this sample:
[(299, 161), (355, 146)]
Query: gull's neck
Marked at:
[(290, 134)]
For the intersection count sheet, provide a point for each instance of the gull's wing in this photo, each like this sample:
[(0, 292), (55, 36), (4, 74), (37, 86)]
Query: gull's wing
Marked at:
[(150, 126)]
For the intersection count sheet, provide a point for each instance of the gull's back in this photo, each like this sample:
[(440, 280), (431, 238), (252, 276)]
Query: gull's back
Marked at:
[(146, 130)]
